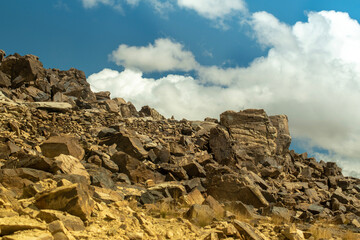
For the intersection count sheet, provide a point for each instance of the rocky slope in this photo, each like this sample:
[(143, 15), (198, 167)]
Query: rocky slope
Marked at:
[(79, 165)]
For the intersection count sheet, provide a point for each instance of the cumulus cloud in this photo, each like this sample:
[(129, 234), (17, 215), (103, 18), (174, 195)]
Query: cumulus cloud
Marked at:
[(214, 9), (311, 73), (163, 55)]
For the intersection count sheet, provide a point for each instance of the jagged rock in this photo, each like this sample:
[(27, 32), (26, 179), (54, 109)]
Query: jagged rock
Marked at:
[(194, 197), (66, 145), (134, 169), (100, 177), (127, 142), (147, 111), (4, 79), (194, 169), (292, 233), (22, 69), (30, 235), (170, 189), (72, 223), (248, 232), (220, 144), (111, 106), (29, 161), (102, 96), (215, 206), (283, 139), (9, 225), (59, 231), (70, 165), (252, 130), (200, 214), (2, 55), (74, 199)]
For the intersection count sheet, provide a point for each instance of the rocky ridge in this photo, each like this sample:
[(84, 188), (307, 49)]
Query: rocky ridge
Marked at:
[(75, 164)]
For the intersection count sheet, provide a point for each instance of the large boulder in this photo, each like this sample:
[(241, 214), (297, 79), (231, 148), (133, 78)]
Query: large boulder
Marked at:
[(283, 139), (74, 199), (22, 69), (252, 130), (66, 145), (127, 142)]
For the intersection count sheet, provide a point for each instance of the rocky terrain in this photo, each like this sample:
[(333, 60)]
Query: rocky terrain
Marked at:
[(75, 164)]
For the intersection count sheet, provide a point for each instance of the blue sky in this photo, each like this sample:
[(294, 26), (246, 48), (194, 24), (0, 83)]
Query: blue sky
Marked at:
[(198, 58)]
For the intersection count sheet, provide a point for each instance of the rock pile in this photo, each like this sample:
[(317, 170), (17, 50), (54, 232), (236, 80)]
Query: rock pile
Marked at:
[(80, 165)]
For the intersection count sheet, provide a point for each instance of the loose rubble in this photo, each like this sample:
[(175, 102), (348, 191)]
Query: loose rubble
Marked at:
[(75, 164)]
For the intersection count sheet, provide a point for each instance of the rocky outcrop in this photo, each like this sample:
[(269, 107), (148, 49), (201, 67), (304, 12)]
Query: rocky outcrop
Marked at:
[(92, 167)]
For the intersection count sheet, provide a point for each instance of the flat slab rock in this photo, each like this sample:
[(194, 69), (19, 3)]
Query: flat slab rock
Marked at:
[(9, 225)]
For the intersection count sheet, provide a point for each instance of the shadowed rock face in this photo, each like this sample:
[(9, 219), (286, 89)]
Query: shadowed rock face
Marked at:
[(83, 162)]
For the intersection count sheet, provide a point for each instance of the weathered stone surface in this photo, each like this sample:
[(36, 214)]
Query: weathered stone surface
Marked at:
[(220, 144), (30, 235), (248, 232), (111, 106), (194, 197), (147, 111), (127, 142), (4, 80), (66, 145), (252, 130), (283, 139), (72, 223), (9, 225), (200, 214), (134, 169), (70, 165), (292, 233), (74, 199)]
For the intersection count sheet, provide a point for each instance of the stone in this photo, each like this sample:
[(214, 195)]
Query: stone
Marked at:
[(4, 80), (111, 106), (127, 142), (292, 233), (170, 189), (194, 169), (26, 160), (70, 165), (253, 131), (30, 235), (248, 232), (71, 222), (59, 231), (283, 139), (9, 225), (66, 145), (220, 145), (2, 55), (201, 215), (74, 199), (215, 206), (147, 111), (135, 169), (194, 197), (51, 106), (101, 96)]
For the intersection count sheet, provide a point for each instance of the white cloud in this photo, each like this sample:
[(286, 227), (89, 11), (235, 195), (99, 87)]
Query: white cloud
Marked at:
[(311, 73), (164, 55), (215, 9), (94, 3)]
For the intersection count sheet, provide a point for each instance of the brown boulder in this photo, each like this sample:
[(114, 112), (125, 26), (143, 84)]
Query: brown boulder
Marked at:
[(220, 145), (66, 145), (70, 165), (252, 130), (9, 225), (147, 111), (22, 68), (127, 142), (74, 199), (4, 80), (283, 139)]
